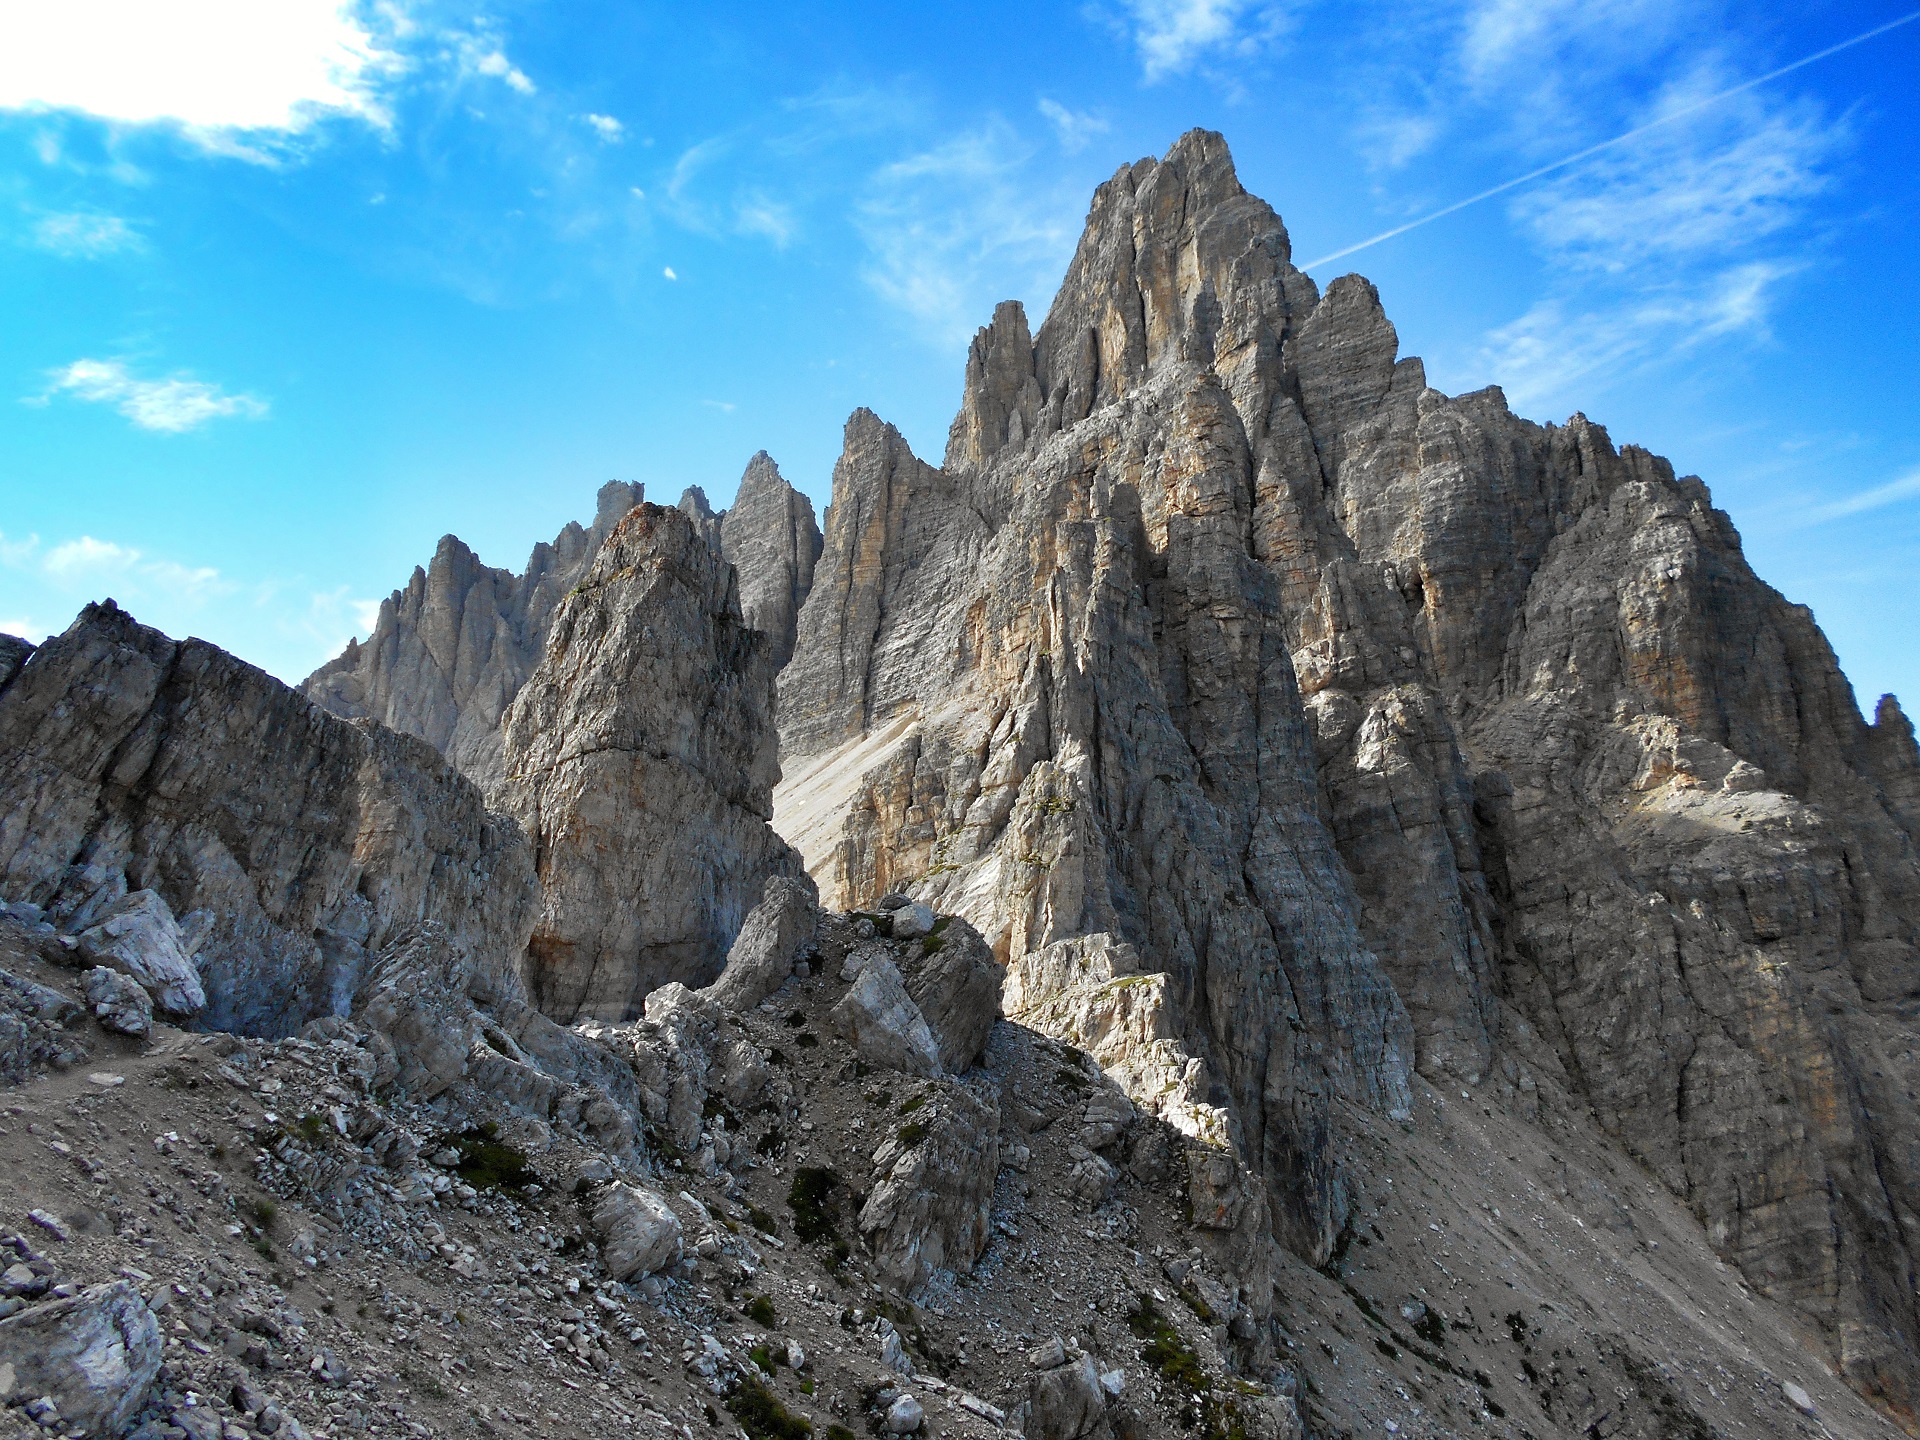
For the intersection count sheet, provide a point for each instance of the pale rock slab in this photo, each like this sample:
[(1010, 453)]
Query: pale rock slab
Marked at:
[(95, 1355)]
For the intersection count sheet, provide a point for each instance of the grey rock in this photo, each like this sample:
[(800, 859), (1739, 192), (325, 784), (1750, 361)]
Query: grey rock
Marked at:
[(772, 541), (119, 1004), (904, 1416), (955, 981), (13, 654), (94, 1355), (1068, 1402), (911, 920), (641, 758), (777, 932), (931, 1201), (885, 1027), (292, 845), (693, 504), (449, 652), (139, 938), (639, 1233), (1047, 1354)]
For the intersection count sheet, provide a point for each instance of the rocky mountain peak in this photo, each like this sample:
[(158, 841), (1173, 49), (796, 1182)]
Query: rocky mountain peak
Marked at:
[(773, 542), (1391, 729)]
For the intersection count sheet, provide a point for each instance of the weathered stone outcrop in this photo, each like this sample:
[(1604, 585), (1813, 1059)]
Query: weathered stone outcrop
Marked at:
[(640, 758), (770, 537), (1387, 729), (291, 845), (450, 651)]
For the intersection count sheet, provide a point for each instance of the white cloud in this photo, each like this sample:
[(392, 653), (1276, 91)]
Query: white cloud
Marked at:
[(758, 214), (212, 67), (483, 58), (1542, 358), (668, 272), (85, 236), (607, 128), (1894, 492), (955, 228), (172, 405), (1074, 128), (1175, 36), (91, 566)]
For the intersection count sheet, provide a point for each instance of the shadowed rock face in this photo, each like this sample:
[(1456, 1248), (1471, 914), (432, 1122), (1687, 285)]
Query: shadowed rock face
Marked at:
[(449, 652), (293, 845), (1394, 730), (640, 758)]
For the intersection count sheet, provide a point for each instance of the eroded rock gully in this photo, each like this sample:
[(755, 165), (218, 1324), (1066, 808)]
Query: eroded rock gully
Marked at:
[(1398, 733)]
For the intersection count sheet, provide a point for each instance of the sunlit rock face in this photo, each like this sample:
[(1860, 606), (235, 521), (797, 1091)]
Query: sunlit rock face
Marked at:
[(1396, 732), (640, 760)]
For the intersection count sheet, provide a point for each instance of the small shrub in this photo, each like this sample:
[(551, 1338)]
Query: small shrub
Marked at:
[(760, 1310), (809, 1197), (762, 1416), (488, 1163), (762, 1221), (909, 1106), (806, 1040)]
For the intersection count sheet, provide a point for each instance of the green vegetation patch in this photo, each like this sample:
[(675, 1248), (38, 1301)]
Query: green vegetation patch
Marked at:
[(912, 1133), (762, 1416), (810, 1199), (760, 1310), (488, 1163)]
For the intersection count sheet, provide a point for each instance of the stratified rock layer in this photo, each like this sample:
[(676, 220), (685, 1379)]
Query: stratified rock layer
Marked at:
[(640, 759), (1391, 729), (449, 652)]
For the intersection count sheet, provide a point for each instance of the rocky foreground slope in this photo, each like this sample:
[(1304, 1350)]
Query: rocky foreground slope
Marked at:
[(1334, 911)]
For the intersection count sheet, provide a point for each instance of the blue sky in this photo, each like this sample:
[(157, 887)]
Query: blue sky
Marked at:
[(290, 290)]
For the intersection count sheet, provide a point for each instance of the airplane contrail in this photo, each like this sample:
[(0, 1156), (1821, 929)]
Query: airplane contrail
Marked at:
[(1621, 139)]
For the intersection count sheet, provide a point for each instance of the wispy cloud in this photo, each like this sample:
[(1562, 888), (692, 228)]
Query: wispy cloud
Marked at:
[(1734, 177), (610, 130), (1176, 36), (1543, 357), (171, 405), (84, 236), (1074, 128), (958, 226), (87, 565), (482, 55), (1660, 169), (1894, 492)]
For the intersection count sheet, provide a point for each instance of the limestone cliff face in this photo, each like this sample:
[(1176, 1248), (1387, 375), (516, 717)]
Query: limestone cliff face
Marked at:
[(449, 652), (292, 845), (770, 537), (1395, 730), (640, 757)]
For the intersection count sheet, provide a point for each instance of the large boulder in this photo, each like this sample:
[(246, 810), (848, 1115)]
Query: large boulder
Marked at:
[(955, 981), (639, 1233), (119, 1004), (931, 1203), (776, 935), (140, 938), (1067, 1402), (885, 1027), (94, 1355)]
